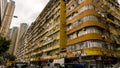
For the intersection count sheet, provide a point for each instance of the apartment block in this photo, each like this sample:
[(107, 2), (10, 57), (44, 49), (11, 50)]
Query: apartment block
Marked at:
[(45, 34), (7, 17), (9, 34), (93, 30), (12, 36), (3, 5), (86, 30)]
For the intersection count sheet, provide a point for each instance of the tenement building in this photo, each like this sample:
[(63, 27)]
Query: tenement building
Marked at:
[(43, 37), (87, 31), (93, 29)]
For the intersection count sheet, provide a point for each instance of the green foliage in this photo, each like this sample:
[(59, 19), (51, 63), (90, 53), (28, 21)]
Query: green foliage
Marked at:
[(4, 45), (10, 57), (1, 61)]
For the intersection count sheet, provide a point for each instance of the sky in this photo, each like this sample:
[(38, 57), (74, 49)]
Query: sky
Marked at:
[(27, 11), (119, 1)]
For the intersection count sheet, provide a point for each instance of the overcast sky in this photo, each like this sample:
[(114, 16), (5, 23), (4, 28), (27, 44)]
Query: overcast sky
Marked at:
[(27, 11)]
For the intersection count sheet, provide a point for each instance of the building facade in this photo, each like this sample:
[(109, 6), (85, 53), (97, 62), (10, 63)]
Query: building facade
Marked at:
[(7, 17), (22, 29), (3, 5), (20, 49), (87, 30), (93, 30), (13, 36), (43, 36), (9, 33)]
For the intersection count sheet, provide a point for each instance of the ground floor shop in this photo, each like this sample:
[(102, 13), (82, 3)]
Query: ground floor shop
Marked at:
[(79, 62)]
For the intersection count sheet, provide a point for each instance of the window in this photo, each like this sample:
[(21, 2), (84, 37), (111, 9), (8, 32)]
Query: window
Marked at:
[(82, 20), (80, 1), (90, 44), (69, 1), (72, 7), (77, 46), (84, 31)]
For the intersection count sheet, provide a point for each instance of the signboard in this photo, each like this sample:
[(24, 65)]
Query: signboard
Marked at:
[(93, 52), (70, 55)]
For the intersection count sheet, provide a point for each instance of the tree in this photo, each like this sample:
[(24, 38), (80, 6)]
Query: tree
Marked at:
[(4, 45), (0, 61), (10, 57)]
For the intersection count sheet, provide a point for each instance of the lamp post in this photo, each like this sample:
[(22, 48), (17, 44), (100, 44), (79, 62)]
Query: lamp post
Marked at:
[(9, 16), (14, 16)]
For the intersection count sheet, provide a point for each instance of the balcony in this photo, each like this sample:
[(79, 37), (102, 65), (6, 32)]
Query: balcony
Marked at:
[(53, 32), (87, 24), (51, 48), (90, 36), (83, 14), (78, 7)]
